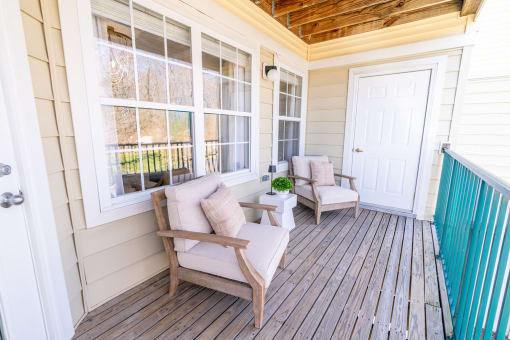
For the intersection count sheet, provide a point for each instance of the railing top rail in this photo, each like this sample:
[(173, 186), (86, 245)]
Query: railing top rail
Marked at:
[(491, 179)]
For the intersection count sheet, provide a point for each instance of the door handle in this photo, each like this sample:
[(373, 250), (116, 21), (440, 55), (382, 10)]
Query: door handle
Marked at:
[(8, 199), (358, 150)]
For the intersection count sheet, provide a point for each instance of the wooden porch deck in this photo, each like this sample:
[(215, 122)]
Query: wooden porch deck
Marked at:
[(374, 277)]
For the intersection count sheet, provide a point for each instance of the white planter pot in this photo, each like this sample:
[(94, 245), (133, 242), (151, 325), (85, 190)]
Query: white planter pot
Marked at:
[(282, 193)]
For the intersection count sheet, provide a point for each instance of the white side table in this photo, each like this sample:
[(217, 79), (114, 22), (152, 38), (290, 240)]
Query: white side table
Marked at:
[(283, 211)]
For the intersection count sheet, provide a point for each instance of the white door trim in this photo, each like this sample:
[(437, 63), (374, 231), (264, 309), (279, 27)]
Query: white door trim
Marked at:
[(38, 209), (437, 65)]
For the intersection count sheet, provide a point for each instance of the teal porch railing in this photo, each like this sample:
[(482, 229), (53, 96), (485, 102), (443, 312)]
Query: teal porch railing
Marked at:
[(472, 221)]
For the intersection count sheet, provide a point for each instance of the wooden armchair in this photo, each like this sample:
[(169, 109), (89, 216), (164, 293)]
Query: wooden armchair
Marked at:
[(320, 198), (242, 266)]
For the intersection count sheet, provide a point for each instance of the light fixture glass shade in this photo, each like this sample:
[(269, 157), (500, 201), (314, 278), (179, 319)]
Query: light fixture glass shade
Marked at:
[(273, 74), (271, 169)]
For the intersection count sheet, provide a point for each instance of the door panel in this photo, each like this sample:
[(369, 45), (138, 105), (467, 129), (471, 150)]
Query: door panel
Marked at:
[(20, 305), (390, 115)]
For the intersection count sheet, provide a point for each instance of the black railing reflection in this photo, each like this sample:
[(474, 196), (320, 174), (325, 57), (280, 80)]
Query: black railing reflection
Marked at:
[(156, 159)]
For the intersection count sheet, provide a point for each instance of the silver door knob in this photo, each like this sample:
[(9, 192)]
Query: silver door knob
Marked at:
[(4, 170), (8, 199)]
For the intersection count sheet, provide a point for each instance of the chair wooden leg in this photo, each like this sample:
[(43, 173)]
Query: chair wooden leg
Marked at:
[(258, 305), (257, 285), (357, 212), (317, 216), (173, 281), (282, 260)]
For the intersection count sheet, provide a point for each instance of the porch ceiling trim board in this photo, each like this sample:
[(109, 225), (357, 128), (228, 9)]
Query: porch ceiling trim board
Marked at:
[(436, 35), (255, 16)]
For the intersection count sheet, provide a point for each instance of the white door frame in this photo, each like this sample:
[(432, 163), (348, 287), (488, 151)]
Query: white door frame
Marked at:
[(437, 66), (38, 209)]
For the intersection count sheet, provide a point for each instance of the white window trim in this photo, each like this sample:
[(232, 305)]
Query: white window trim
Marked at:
[(80, 65), (284, 166)]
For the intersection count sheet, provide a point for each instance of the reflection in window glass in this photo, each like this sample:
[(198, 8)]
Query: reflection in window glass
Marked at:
[(227, 143), (289, 117), (116, 73), (145, 147), (151, 79), (230, 68), (116, 56), (227, 86), (119, 124), (149, 35), (288, 140), (178, 43), (155, 159), (180, 84), (153, 131), (114, 26)]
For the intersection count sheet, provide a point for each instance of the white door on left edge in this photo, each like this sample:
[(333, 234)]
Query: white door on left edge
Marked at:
[(390, 115), (21, 312)]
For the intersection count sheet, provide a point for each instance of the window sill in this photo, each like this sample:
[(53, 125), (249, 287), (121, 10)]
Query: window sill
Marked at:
[(141, 202)]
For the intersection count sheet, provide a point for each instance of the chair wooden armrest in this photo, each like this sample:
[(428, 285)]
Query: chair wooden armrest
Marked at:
[(204, 237), (267, 207), (257, 206), (344, 176), (351, 181), (302, 178)]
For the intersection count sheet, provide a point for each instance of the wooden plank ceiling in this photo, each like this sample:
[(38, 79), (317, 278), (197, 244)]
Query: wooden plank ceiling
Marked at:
[(315, 21)]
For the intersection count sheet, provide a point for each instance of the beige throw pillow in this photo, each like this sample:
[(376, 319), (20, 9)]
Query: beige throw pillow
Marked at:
[(223, 212), (322, 172)]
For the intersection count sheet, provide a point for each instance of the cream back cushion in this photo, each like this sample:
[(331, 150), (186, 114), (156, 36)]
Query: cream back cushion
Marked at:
[(184, 209), (301, 166), (223, 212), (323, 173)]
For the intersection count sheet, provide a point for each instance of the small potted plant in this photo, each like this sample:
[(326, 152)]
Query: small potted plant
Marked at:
[(282, 185)]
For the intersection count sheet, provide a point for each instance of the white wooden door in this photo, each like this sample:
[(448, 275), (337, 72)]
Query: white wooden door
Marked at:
[(390, 115), (20, 304)]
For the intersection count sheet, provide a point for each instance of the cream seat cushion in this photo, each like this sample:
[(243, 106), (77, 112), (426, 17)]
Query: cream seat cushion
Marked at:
[(184, 209), (301, 166), (328, 194), (267, 244)]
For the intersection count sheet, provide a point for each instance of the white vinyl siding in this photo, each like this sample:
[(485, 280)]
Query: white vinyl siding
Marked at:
[(491, 54)]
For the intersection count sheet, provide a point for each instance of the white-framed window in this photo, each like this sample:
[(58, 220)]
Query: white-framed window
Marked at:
[(227, 106), (168, 100), (289, 115)]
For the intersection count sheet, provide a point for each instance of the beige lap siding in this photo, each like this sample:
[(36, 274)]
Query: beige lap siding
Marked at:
[(327, 102), (483, 133), (101, 262), (42, 28)]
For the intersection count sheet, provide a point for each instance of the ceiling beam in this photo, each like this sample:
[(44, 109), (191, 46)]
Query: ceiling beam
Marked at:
[(367, 14), (394, 20), (470, 7), (283, 7), (328, 9)]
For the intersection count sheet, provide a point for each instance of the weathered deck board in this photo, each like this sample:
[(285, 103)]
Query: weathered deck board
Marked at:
[(345, 278), (398, 328)]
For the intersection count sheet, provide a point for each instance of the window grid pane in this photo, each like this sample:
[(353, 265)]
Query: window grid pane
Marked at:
[(147, 148), (119, 62), (147, 60), (227, 143), (228, 68), (290, 101)]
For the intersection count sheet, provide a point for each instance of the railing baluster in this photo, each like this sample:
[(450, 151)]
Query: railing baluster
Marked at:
[(473, 227), (467, 271)]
